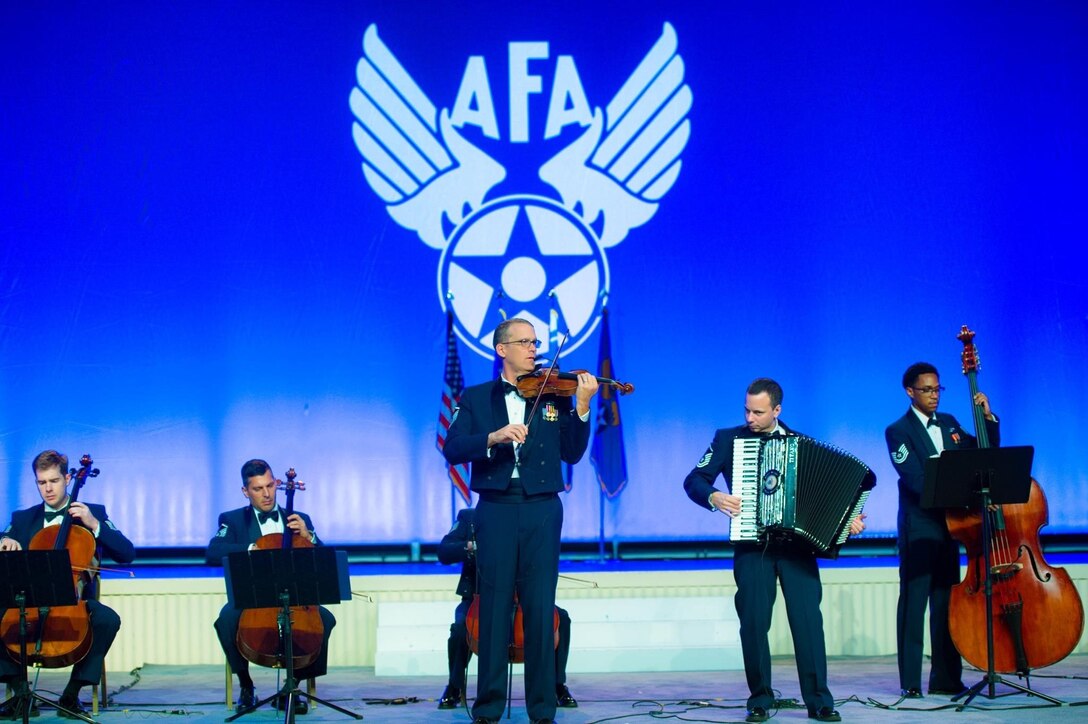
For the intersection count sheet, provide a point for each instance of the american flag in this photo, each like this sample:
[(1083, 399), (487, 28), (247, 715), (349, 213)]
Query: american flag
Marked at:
[(452, 386)]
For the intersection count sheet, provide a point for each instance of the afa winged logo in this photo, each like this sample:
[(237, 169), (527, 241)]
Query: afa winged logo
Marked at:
[(535, 256)]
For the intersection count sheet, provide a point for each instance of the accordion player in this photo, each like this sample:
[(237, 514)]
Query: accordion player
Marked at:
[(797, 490)]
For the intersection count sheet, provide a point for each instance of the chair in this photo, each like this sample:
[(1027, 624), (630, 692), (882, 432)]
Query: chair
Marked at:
[(94, 694), (98, 702)]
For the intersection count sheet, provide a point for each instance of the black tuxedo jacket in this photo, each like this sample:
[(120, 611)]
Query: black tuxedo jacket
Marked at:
[(111, 542), (238, 529), (718, 459), (909, 446), (452, 550), (556, 435)]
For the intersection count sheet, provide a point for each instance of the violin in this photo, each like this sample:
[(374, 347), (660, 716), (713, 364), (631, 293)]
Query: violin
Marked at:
[(562, 384), (258, 636), (516, 646), (1036, 611), (62, 634)]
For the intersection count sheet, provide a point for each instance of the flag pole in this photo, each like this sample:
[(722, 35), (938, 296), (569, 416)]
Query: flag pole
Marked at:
[(600, 536), (453, 384), (607, 453), (453, 504)]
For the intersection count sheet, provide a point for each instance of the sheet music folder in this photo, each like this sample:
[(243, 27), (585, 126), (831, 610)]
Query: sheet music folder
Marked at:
[(311, 576), (953, 479), (43, 577)]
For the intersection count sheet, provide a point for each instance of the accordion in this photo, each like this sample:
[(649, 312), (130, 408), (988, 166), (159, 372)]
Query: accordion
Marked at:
[(797, 490)]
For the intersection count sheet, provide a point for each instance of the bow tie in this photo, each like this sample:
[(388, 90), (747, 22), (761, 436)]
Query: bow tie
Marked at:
[(507, 388), (50, 516), (273, 515), (933, 422)]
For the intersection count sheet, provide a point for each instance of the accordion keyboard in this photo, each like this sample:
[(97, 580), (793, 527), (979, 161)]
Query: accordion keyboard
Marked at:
[(745, 485)]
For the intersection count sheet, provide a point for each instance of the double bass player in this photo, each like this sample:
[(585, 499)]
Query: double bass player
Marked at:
[(929, 558)]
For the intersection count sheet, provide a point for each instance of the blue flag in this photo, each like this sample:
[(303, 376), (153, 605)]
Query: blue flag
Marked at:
[(608, 456)]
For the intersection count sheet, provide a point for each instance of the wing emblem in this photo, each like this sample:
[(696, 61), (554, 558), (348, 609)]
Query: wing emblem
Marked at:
[(413, 158), (628, 158)]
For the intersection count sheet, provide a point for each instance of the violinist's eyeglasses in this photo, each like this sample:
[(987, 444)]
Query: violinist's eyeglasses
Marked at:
[(523, 343), (929, 390)]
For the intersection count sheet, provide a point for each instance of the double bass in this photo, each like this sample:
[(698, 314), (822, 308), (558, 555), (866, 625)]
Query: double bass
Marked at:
[(1037, 613), (61, 634), (258, 636)]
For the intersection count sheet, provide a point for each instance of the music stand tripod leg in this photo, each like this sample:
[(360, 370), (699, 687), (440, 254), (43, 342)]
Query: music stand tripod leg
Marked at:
[(290, 692), (24, 697), (292, 682)]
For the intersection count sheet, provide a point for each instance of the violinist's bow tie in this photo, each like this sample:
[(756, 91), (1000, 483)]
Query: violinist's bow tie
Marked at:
[(507, 388)]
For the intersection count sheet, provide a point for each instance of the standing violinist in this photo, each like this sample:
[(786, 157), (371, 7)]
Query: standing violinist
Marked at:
[(517, 472), (758, 568), (929, 558), (459, 546), (238, 531), (50, 471)]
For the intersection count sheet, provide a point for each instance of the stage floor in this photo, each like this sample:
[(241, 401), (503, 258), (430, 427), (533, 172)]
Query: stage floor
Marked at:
[(864, 687)]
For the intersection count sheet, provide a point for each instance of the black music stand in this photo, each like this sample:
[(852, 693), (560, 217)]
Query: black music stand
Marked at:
[(282, 578), (35, 579), (982, 477)]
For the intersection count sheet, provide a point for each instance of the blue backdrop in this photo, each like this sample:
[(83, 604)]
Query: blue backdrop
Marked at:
[(195, 269)]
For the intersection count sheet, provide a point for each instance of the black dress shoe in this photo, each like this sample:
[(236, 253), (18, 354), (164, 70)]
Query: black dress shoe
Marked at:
[(949, 691), (70, 708), (563, 699), (451, 698), (483, 720), (247, 698), (8, 710), (825, 713), (911, 693), (756, 713), (280, 703)]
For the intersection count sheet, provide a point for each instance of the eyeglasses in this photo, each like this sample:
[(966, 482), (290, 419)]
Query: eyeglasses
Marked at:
[(929, 390), (523, 343)]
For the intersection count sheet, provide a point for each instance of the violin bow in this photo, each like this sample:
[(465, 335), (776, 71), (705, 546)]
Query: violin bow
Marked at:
[(575, 579), (547, 376)]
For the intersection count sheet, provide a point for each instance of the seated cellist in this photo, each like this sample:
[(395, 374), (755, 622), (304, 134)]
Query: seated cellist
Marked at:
[(51, 473), (239, 530)]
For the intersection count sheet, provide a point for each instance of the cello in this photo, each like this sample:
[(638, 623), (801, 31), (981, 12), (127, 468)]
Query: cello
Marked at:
[(1037, 613), (516, 647), (62, 634), (258, 636)]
